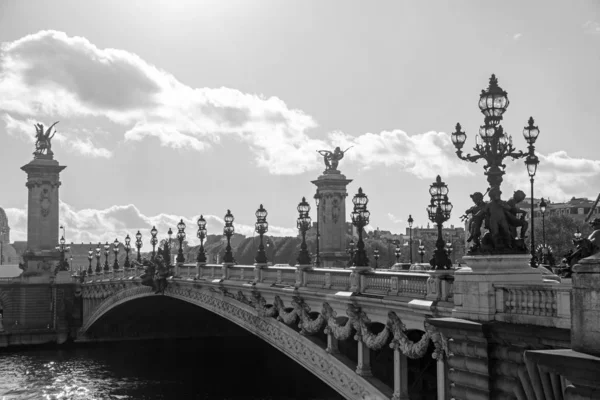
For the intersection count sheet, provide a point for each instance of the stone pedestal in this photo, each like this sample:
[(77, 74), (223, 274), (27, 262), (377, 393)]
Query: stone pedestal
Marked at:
[(331, 218), (42, 213), (474, 293)]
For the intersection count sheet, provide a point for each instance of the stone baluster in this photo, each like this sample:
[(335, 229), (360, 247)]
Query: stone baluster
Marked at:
[(364, 360), (400, 375), (332, 343)]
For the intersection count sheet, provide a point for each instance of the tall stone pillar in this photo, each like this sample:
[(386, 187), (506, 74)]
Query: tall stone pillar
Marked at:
[(332, 218), (42, 211)]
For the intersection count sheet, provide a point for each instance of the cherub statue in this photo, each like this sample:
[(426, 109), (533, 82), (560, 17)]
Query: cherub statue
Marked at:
[(513, 211), (584, 247), (497, 223), (477, 213), (332, 158), (42, 140)]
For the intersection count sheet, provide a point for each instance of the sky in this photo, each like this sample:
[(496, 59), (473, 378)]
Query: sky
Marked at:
[(171, 109)]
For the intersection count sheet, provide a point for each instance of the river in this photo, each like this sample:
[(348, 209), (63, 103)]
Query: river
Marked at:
[(206, 368)]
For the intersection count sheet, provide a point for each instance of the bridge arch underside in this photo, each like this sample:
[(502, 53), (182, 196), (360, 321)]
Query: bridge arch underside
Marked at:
[(120, 314)]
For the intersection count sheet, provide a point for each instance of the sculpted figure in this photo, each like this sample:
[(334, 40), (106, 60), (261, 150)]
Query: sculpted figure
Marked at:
[(500, 230), (477, 213), (512, 213), (332, 158), (584, 247), (42, 140)]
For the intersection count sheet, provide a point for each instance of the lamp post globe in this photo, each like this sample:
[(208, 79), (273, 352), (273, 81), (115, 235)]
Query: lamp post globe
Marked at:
[(421, 252), (106, 251), (153, 241), (98, 254), (201, 257), (167, 248), (228, 231), (397, 253), (90, 258), (376, 257), (261, 227), (410, 224), (439, 211), (543, 206)]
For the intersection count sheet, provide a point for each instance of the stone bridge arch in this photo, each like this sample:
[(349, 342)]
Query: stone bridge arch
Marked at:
[(299, 348)]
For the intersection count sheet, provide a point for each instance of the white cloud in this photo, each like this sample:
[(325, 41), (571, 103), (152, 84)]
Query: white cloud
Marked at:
[(395, 219), (49, 75), (517, 36), (424, 155), (591, 27), (91, 225)]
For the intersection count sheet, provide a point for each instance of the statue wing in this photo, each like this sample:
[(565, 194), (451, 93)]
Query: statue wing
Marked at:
[(47, 135)]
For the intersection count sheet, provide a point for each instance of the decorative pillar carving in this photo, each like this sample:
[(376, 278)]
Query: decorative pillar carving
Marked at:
[(364, 360), (400, 375)]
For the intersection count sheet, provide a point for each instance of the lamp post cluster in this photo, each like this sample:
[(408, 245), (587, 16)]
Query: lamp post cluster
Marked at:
[(421, 251), (317, 202), (201, 257), (397, 253), (439, 212), (228, 231), (360, 218), (303, 224), (116, 251), (543, 206), (153, 241), (181, 238), (410, 224)]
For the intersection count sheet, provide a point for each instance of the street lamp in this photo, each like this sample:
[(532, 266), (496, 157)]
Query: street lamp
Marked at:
[(397, 253), (421, 251), (376, 257), (494, 145), (90, 258), (350, 251), (62, 248), (98, 253), (138, 245), (153, 241), (180, 237), (439, 212), (261, 227), (167, 247), (543, 210), (201, 258), (228, 231), (116, 251), (127, 250), (317, 202), (303, 224), (410, 224), (106, 251), (360, 218)]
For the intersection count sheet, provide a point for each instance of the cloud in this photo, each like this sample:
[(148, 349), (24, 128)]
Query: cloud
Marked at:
[(424, 155), (591, 27), (49, 75), (558, 177), (517, 36), (395, 219), (91, 225)]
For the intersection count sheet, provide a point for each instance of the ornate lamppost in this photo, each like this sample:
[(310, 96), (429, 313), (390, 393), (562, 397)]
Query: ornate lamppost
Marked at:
[(201, 258), (543, 210), (98, 253), (397, 253), (153, 241), (350, 251), (261, 227), (494, 145), (317, 202), (439, 212), (303, 224), (410, 224), (421, 251), (376, 257), (90, 258), (228, 231), (167, 247), (116, 251), (138, 245), (360, 218), (127, 250), (180, 237), (106, 251), (63, 248)]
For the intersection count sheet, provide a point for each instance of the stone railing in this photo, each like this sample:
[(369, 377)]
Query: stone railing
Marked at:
[(543, 304)]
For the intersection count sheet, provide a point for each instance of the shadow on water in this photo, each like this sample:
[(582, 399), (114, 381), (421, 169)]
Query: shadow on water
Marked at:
[(242, 367)]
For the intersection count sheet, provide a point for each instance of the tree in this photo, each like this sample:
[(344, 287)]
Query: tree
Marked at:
[(559, 230)]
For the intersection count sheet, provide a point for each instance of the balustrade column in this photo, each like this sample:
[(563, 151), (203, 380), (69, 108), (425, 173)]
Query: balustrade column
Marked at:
[(364, 360), (441, 378), (332, 344), (400, 376)]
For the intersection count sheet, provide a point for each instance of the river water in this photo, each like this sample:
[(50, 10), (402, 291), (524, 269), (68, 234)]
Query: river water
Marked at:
[(205, 368)]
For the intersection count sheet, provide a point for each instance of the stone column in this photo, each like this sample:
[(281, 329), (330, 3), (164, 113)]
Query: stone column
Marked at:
[(364, 360), (400, 375), (332, 343), (42, 212), (332, 218)]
